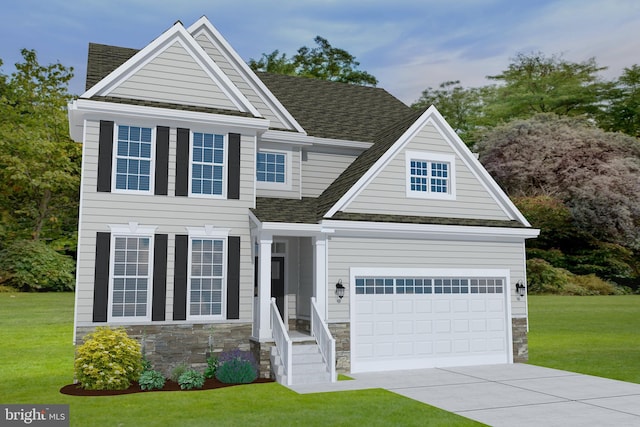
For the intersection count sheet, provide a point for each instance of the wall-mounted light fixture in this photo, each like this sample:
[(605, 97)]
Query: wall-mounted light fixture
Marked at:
[(520, 289), (339, 290)]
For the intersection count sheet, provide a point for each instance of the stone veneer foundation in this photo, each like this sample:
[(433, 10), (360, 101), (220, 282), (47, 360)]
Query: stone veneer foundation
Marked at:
[(520, 340)]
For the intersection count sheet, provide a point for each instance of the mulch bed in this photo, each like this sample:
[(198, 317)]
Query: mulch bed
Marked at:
[(209, 384)]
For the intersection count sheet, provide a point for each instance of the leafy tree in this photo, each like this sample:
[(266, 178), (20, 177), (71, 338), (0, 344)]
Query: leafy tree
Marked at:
[(623, 111), (461, 107), (323, 62), (536, 83), (593, 172), (39, 163)]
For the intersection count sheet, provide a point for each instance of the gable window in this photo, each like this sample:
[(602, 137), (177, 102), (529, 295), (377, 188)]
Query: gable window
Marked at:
[(207, 164), (271, 167), (430, 175), (133, 157), (207, 273)]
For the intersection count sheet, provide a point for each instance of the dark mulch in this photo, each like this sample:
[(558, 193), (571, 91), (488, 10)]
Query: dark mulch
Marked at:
[(209, 384)]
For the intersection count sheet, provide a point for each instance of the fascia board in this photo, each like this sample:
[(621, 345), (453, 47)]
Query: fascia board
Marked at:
[(86, 109), (292, 138), (176, 33), (292, 229), (205, 26), (428, 231)]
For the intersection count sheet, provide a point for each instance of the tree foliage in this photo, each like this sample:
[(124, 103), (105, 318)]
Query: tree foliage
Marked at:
[(622, 112), (323, 62), (39, 163), (596, 174)]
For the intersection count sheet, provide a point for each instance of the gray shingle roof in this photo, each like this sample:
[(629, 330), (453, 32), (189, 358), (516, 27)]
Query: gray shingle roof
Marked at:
[(103, 59)]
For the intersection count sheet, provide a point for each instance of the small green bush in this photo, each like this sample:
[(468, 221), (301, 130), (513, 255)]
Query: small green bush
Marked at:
[(177, 371), (108, 360), (151, 380), (236, 367), (191, 379), (543, 278), (212, 363), (32, 265)]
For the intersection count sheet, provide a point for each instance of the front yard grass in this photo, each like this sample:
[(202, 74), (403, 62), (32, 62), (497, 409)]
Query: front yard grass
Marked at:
[(36, 355), (595, 335)]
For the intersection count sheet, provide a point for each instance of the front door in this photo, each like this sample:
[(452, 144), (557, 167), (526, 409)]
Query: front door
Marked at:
[(277, 284)]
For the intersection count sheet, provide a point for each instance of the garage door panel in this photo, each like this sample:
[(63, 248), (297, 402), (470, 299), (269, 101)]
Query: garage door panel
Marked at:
[(404, 331)]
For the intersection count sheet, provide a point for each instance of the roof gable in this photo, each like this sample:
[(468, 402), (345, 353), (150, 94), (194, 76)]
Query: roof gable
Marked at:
[(337, 198), (174, 52), (217, 47)]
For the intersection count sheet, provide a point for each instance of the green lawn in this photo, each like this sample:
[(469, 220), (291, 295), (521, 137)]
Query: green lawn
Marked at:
[(596, 335), (36, 359)]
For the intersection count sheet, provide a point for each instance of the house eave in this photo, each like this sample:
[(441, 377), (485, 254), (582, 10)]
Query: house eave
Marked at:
[(428, 231), (83, 109), (302, 139)]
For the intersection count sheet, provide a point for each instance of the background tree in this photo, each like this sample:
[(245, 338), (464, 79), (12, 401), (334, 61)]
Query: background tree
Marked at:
[(323, 62), (536, 83), (39, 171), (622, 112)]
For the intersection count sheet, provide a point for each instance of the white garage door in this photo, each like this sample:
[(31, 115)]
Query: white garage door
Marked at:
[(425, 321)]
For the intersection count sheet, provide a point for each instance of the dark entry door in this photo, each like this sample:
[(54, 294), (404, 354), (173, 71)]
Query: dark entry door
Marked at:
[(277, 283)]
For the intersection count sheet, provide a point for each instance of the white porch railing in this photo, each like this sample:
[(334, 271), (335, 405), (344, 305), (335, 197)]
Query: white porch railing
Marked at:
[(325, 340), (282, 340)]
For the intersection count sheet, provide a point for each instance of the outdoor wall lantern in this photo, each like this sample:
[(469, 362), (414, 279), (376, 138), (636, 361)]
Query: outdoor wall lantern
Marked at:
[(520, 289), (339, 290)]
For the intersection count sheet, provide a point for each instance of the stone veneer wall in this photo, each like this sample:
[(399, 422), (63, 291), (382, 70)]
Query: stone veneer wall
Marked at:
[(520, 340), (342, 334), (166, 346)]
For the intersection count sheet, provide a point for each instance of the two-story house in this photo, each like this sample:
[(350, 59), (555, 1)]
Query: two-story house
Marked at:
[(222, 208)]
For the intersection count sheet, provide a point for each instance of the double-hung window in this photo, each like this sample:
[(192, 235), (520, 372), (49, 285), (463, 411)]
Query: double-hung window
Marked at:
[(207, 164), (131, 273), (133, 158), (430, 175), (207, 273)]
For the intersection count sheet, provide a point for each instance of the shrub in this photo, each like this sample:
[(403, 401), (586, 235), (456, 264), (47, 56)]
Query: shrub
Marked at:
[(108, 360), (543, 278), (212, 363), (177, 371), (237, 367), (151, 380), (31, 265), (191, 379)]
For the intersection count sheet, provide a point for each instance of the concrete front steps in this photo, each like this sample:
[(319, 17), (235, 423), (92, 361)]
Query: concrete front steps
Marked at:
[(308, 365)]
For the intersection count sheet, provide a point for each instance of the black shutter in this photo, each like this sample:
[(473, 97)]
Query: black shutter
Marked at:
[(182, 163), (233, 171), (105, 155), (159, 296), (162, 161), (101, 278), (233, 277), (180, 278)]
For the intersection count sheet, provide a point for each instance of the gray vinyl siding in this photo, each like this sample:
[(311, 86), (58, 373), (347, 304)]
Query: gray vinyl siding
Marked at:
[(386, 193), (320, 169), (169, 213), (345, 253), (294, 191), (240, 82), (174, 76)]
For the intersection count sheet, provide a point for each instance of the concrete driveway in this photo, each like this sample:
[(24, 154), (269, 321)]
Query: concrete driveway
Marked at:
[(508, 395)]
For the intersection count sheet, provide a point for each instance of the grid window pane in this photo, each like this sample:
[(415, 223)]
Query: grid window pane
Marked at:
[(271, 167), (429, 177), (428, 285), (207, 164), (133, 158), (206, 277), (131, 276)]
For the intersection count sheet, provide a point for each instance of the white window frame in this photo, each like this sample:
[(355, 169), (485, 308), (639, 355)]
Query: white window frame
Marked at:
[(288, 170), (225, 165), (114, 161), (208, 232), (126, 231), (430, 158)]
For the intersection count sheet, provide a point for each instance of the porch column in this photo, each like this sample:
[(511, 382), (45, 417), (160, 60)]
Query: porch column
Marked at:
[(264, 289), (320, 274)]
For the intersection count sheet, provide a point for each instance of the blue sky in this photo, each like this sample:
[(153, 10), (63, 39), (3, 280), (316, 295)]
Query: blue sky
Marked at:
[(408, 45)]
